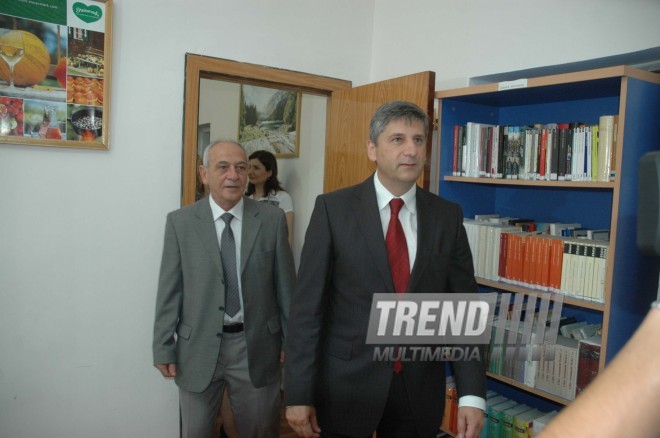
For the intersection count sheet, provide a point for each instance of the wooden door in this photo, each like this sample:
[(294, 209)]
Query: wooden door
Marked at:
[(347, 132)]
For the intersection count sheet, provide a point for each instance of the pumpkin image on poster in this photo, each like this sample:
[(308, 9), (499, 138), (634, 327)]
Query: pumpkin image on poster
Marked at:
[(34, 65)]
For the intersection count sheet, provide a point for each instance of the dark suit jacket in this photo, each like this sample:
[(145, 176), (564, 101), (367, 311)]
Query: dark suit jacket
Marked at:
[(191, 293), (344, 261)]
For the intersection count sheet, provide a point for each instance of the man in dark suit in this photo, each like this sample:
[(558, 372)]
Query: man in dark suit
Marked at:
[(333, 386), (223, 302)]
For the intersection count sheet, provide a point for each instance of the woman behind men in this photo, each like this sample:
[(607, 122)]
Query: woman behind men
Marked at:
[(265, 187)]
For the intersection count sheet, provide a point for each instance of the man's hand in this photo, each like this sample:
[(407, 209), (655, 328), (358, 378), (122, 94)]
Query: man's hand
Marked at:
[(470, 421), (168, 370), (303, 421)]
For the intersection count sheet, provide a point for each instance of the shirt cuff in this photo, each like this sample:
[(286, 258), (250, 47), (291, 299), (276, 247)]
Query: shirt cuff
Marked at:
[(472, 401)]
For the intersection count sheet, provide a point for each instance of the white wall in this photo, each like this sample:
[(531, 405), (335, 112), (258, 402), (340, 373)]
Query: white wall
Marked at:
[(81, 231), (460, 39)]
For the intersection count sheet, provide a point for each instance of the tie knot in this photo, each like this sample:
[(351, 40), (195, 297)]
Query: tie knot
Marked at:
[(395, 206), (227, 217)]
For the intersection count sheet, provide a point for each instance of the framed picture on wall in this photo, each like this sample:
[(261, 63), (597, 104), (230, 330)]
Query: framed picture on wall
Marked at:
[(269, 119), (55, 73)]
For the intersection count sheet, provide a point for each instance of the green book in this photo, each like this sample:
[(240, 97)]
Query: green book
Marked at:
[(495, 418), (490, 401), (507, 419)]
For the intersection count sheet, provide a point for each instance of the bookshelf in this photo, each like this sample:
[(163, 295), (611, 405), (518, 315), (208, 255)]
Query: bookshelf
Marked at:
[(631, 279)]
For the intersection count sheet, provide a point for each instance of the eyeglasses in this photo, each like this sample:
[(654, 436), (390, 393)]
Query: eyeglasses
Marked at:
[(240, 168)]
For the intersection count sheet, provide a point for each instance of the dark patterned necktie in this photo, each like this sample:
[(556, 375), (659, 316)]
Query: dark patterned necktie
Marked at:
[(228, 256)]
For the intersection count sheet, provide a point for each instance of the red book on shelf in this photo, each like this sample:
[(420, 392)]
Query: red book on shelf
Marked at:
[(556, 258), (519, 257), (546, 254), (529, 260), (544, 150), (513, 261), (588, 361), (503, 255)]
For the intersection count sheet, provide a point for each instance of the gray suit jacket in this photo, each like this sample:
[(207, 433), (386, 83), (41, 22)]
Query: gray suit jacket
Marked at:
[(191, 295), (344, 261)]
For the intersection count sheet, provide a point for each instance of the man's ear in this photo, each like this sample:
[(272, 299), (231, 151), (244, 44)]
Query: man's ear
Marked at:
[(371, 150), (202, 173)]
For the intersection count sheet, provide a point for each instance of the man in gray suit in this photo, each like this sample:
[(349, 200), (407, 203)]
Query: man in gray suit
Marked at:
[(333, 386), (223, 302)]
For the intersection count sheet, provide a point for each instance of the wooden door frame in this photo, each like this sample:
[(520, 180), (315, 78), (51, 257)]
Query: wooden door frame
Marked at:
[(199, 66)]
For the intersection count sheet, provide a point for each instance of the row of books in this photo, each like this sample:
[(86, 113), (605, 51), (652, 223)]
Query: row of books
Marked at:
[(574, 266), (553, 152), (503, 418), (563, 368)]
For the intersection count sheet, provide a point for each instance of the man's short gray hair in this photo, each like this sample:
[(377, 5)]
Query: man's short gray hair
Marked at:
[(205, 157), (396, 110)]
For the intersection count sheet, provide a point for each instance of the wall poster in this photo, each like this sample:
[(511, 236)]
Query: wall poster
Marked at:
[(55, 72)]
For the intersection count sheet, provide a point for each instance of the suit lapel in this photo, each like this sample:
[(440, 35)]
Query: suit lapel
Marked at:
[(207, 232), (426, 229), (250, 230), (368, 217)]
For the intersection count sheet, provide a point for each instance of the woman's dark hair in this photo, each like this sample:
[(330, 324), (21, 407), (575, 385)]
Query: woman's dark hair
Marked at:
[(270, 163)]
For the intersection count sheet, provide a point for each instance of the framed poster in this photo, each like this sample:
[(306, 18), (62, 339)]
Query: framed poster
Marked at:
[(269, 120), (55, 72)]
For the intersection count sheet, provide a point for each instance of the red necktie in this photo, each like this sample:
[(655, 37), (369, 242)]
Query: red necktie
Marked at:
[(397, 253)]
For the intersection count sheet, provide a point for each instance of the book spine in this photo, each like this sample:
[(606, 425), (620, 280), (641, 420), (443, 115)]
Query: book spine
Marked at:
[(554, 153), (454, 166), (605, 143), (544, 153)]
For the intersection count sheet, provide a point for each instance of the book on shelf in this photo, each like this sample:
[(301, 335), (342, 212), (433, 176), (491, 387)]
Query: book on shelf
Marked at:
[(511, 152), (568, 355), (558, 376), (543, 154), (486, 217), (541, 422), (567, 329), (583, 269), (495, 417), (477, 137), (589, 234), (553, 148), (595, 141), (550, 152), (531, 365), (458, 167), (586, 331), (508, 417), (562, 133), (559, 229), (503, 251), (523, 423), (607, 132), (490, 402), (588, 361), (451, 406)]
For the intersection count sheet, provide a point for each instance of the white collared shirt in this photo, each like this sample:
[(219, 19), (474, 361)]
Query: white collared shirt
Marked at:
[(407, 214), (236, 228)]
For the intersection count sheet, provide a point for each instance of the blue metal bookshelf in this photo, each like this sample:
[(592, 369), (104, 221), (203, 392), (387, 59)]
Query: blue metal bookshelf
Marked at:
[(631, 277)]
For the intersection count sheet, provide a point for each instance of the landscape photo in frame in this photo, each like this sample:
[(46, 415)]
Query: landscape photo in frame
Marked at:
[(269, 119)]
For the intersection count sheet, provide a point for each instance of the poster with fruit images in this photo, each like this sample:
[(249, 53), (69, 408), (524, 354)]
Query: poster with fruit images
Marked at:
[(55, 72)]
